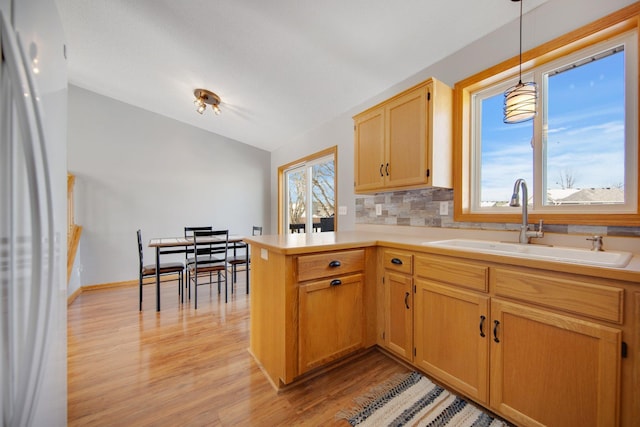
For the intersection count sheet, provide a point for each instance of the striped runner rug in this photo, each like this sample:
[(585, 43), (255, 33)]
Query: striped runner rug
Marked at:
[(413, 400)]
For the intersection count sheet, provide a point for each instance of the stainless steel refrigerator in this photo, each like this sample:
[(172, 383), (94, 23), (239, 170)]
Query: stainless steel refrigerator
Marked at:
[(33, 122)]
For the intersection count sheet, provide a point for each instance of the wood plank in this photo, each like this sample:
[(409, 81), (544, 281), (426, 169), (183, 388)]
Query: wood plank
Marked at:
[(186, 367)]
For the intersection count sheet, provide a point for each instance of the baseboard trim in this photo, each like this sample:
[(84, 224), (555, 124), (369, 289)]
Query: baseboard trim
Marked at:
[(111, 285), (71, 298)]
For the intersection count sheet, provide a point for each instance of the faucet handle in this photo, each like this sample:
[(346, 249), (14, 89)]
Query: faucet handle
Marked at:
[(596, 243), (540, 226)]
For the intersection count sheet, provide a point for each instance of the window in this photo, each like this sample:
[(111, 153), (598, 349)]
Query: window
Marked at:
[(307, 194), (579, 156)]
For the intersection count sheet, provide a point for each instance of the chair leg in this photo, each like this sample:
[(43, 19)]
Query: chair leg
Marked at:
[(140, 291)]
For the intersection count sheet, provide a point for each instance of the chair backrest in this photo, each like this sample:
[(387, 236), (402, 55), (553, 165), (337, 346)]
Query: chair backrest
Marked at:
[(189, 232), (211, 242), (327, 224), (257, 231), (140, 250)]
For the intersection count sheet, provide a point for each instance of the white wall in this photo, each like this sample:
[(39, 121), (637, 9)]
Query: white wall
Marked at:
[(136, 169), (552, 19)]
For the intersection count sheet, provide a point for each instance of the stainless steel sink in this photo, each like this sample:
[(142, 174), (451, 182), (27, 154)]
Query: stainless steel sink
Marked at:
[(541, 252)]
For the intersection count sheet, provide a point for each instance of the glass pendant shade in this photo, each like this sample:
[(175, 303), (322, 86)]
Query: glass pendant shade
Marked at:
[(520, 103)]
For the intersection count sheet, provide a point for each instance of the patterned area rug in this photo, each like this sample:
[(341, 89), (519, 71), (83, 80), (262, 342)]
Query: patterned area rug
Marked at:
[(413, 400)]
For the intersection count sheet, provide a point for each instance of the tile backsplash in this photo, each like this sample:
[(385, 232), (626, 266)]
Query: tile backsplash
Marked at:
[(421, 208)]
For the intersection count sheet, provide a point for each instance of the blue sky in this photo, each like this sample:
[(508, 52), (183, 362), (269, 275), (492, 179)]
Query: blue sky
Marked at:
[(585, 132)]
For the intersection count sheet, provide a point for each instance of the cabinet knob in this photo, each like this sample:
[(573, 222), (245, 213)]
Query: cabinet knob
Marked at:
[(396, 261), (336, 282), (334, 264)]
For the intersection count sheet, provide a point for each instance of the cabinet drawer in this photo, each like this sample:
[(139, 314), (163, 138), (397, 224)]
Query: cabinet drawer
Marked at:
[(398, 261), (569, 294), (330, 264), (465, 274)]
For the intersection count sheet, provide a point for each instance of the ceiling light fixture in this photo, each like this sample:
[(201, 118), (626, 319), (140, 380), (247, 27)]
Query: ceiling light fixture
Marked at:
[(520, 100), (204, 97)]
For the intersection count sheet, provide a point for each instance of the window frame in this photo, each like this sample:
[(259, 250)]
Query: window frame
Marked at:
[(534, 61), (310, 159)]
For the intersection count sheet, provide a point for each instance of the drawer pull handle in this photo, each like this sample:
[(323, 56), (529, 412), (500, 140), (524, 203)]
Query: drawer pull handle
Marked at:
[(386, 169), (336, 282), (381, 166), (396, 261), (406, 300), (482, 319), (495, 330), (334, 263)]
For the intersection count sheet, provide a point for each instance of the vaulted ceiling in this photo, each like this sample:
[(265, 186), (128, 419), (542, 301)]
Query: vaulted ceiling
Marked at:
[(281, 67)]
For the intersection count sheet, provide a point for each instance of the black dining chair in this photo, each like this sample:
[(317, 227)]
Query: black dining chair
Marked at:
[(189, 253), (297, 228), (241, 256), (188, 234), (211, 249), (167, 268), (327, 224)]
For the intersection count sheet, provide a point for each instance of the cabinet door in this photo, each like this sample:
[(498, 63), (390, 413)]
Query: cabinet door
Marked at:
[(553, 370), (452, 336), (398, 334), (406, 147), (331, 320), (369, 151)]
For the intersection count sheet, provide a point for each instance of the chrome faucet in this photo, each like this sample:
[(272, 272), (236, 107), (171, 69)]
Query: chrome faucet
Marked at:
[(596, 243), (525, 233)]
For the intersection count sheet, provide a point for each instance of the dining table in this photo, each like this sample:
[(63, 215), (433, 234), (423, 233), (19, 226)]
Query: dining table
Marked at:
[(176, 245)]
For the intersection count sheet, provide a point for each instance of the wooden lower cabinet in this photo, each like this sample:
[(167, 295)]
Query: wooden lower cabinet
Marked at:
[(398, 331), (331, 320), (525, 348), (451, 336), (553, 370)]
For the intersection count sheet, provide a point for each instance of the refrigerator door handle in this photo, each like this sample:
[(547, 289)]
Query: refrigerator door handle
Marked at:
[(28, 353)]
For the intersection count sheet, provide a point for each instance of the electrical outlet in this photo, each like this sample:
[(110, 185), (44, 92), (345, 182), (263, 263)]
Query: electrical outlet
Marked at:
[(444, 208), (342, 210), (378, 209)]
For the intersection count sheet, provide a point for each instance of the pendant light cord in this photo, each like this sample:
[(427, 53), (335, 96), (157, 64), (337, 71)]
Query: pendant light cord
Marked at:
[(520, 79)]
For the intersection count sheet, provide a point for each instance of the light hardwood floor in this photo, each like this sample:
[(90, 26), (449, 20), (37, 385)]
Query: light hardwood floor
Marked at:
[(186, 367)]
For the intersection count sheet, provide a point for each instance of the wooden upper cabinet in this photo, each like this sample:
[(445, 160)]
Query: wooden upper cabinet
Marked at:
[(369, 148), (405, 142), (406, 150)]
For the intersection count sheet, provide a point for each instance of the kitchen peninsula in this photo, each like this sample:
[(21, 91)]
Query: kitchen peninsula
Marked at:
[(534, 341)]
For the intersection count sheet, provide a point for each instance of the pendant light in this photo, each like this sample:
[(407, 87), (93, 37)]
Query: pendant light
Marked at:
[(520, 100)]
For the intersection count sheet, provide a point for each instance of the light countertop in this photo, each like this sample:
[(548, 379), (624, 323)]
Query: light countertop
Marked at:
[(302, 243)]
